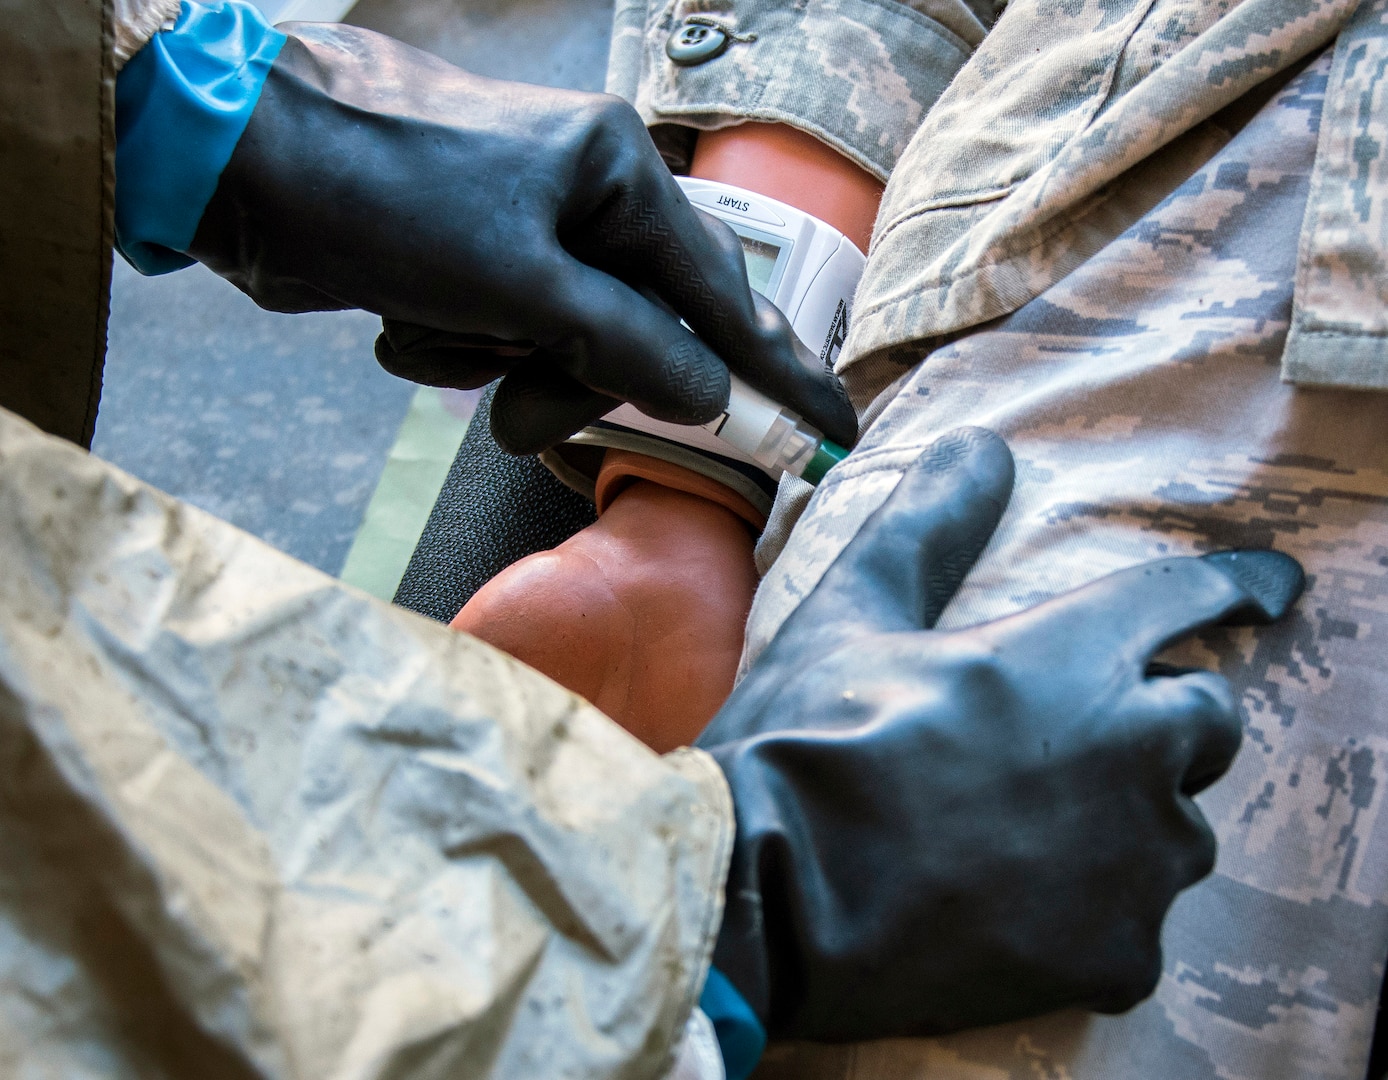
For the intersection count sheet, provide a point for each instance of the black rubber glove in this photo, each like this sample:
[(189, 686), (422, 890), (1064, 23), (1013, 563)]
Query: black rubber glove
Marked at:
[(937, 830), (376, 176)]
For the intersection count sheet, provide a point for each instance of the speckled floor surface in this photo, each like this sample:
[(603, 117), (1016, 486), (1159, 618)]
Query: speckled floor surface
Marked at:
[(554, 42), (281, 423), (278, 423)]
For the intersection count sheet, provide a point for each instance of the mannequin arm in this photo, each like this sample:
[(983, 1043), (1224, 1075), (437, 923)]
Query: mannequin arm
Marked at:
[(783, 162), (643, 612)]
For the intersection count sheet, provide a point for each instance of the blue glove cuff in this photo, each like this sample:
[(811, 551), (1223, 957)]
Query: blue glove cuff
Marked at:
[(182, 103), (741, 1036)]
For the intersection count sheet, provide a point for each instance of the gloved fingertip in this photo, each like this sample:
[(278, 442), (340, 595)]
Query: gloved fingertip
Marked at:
[(533, 410), (1272, 580), (720, 232), (524, 436), (399, 336), (385, 352), (981, 451), (840, 422), (699, 384), (523, 443), (784, 368), (442, 366)]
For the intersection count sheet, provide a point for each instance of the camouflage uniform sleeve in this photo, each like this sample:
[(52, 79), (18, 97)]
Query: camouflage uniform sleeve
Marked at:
[(1339, 333), (133, 22), (858, 74)]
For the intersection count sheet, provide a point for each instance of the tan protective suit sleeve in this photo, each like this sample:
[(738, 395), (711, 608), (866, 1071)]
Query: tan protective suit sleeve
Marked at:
[(134, 22), (256, 824)]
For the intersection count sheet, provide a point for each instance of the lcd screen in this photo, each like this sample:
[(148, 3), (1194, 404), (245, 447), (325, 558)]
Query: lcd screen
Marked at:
[(761, 261)]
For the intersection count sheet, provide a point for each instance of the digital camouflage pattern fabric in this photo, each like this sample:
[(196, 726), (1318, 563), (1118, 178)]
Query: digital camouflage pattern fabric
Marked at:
[(1007, 187), (1340, 319), (859, 74), (1089, 247), (1141, 397), (1005, 148)]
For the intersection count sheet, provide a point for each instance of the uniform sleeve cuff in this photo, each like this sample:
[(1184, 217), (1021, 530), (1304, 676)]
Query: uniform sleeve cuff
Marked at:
[(182, 103), (741, 1037), (859, 75)]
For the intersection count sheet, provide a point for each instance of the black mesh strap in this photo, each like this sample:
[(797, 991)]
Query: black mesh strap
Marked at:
[(494, 509)]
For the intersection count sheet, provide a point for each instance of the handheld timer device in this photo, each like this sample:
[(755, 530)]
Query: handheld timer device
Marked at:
[(809, 270)]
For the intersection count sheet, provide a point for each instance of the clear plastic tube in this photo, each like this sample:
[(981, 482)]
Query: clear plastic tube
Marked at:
[(773, 436)]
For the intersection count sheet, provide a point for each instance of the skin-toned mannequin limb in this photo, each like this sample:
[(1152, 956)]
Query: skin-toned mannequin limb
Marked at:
[(643, 612), (784, 163)]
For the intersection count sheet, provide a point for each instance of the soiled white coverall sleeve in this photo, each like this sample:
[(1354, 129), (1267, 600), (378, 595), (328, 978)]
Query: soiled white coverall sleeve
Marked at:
[(134, 22), (255, 823)]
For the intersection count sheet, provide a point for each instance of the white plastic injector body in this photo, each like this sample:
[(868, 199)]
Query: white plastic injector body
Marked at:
[(809, 270)]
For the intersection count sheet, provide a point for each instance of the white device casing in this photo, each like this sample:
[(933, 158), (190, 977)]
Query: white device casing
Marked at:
[(817, 268), (812, 280)]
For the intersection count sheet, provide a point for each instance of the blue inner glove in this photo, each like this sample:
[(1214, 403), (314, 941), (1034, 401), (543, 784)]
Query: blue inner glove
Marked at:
[(741, 1037), (182, 103)]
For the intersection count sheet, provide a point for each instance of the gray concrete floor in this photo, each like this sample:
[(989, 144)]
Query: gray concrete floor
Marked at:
[(278, 423), (281, 423), (552, 42)]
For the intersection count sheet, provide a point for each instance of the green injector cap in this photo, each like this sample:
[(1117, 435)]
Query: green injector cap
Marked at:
[(825, 458)]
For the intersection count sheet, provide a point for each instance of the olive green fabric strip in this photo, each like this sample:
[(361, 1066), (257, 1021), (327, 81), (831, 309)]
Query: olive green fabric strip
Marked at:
[(57, 139), (415, 470)]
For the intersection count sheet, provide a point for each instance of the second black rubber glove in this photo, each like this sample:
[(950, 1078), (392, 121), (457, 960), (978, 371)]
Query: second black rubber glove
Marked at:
[(500, 229), (938, 830)]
